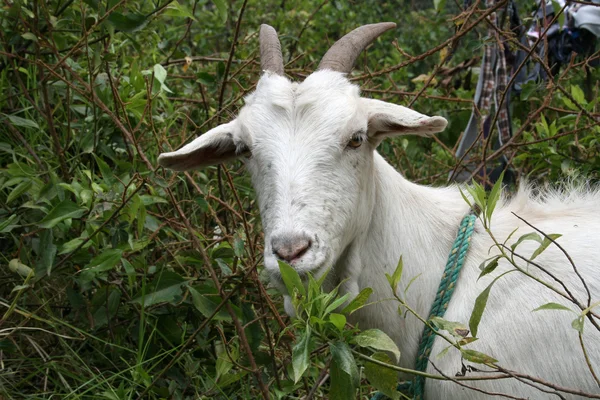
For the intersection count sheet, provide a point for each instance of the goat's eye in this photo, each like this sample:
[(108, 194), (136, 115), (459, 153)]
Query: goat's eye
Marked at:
[(356, 141)]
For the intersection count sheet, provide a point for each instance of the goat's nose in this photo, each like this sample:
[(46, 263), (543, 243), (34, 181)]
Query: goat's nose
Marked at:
[(290, 247)]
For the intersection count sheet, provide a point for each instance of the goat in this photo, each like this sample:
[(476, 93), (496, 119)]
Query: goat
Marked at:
[(328, 199)]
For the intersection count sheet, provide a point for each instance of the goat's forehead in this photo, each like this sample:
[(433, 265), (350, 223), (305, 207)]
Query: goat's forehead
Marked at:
[(324, 101), (325, 88)]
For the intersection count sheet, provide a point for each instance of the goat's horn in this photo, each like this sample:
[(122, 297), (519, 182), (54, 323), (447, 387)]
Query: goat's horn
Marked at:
[(343, 54), (270, 50)]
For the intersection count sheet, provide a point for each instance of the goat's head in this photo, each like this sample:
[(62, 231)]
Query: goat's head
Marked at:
[(309, 149)]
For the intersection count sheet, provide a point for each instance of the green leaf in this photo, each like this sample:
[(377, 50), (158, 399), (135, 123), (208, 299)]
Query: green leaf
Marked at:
[(160, 73), (477, 357), (130, 22), (480, 304), (169, 327), (466, 341), (71, 245), (238, 246), (383, 379), (23, 70), (47, 253), (529, 88), (201, 202), (86, 196), (321, 280), (344, 372), (225, 269), (494, 197), (556, 7), (313, 289), (207, 307), (378, 340), (166, 287), (205, 78), (527, 236), (456, 329), (300, 353), (27, 11), (443, 352), (106, 261), (577, 324), (291, 279), (439, 5), (336, 303), (490, 267), (65, 209), (222, 8), (148, 200), (414, 278), (18, 288), (178, 10), (338, 320), (224, 364), (464, 196), (107, 303), (229, 379), (478, 309), (19, 190), (342, 356), (316, 321), (129, 270), (9, 224), (552, 306), (478, 193), (358, 302), (545, 243), (570, 105), (578, 95), (141, 219), (252, 327), (92, 3), (22, 122), (105, 170), (132, 209), (396, 276), (29, 36)]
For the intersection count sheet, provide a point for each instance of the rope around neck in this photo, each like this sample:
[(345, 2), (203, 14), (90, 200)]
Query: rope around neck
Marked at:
[(456, 259)]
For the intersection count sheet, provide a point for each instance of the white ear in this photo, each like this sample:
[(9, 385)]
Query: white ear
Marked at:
[(214, 147), (386, 119)]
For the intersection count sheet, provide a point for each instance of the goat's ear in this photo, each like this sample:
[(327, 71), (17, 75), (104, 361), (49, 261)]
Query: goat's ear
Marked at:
[(386, 119), (214, 147)]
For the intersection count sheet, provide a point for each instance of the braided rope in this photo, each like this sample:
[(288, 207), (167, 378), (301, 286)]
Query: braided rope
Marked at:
[(455, 262), (456, 259)]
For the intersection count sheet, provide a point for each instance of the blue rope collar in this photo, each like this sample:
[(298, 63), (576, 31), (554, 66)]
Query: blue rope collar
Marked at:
[(456, 259)]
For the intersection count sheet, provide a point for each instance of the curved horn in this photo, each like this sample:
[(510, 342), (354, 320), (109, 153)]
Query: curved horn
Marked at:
[(343, 54), (270, 50)]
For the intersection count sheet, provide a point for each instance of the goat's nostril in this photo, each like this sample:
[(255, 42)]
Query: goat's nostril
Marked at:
[(304, 247), (289, 249)]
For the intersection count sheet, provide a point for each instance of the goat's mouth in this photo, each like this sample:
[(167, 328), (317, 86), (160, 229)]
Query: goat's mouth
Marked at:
[(315, 262), (317, 272)]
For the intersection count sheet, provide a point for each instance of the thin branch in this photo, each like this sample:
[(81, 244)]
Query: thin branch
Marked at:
[(474, 388), (589, 302)]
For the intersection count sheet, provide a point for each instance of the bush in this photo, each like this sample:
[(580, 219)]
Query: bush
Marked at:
[(120, 280)]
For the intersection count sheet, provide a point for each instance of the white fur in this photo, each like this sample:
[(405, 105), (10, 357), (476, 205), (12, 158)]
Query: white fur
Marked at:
[(361, 215)]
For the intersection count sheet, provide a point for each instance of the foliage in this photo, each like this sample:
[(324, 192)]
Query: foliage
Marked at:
[(120, 280)]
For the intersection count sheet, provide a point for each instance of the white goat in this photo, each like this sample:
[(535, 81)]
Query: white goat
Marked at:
[(327, 198)]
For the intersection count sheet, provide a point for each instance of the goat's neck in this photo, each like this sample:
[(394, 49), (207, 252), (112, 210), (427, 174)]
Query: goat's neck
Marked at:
[(418, 223)]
